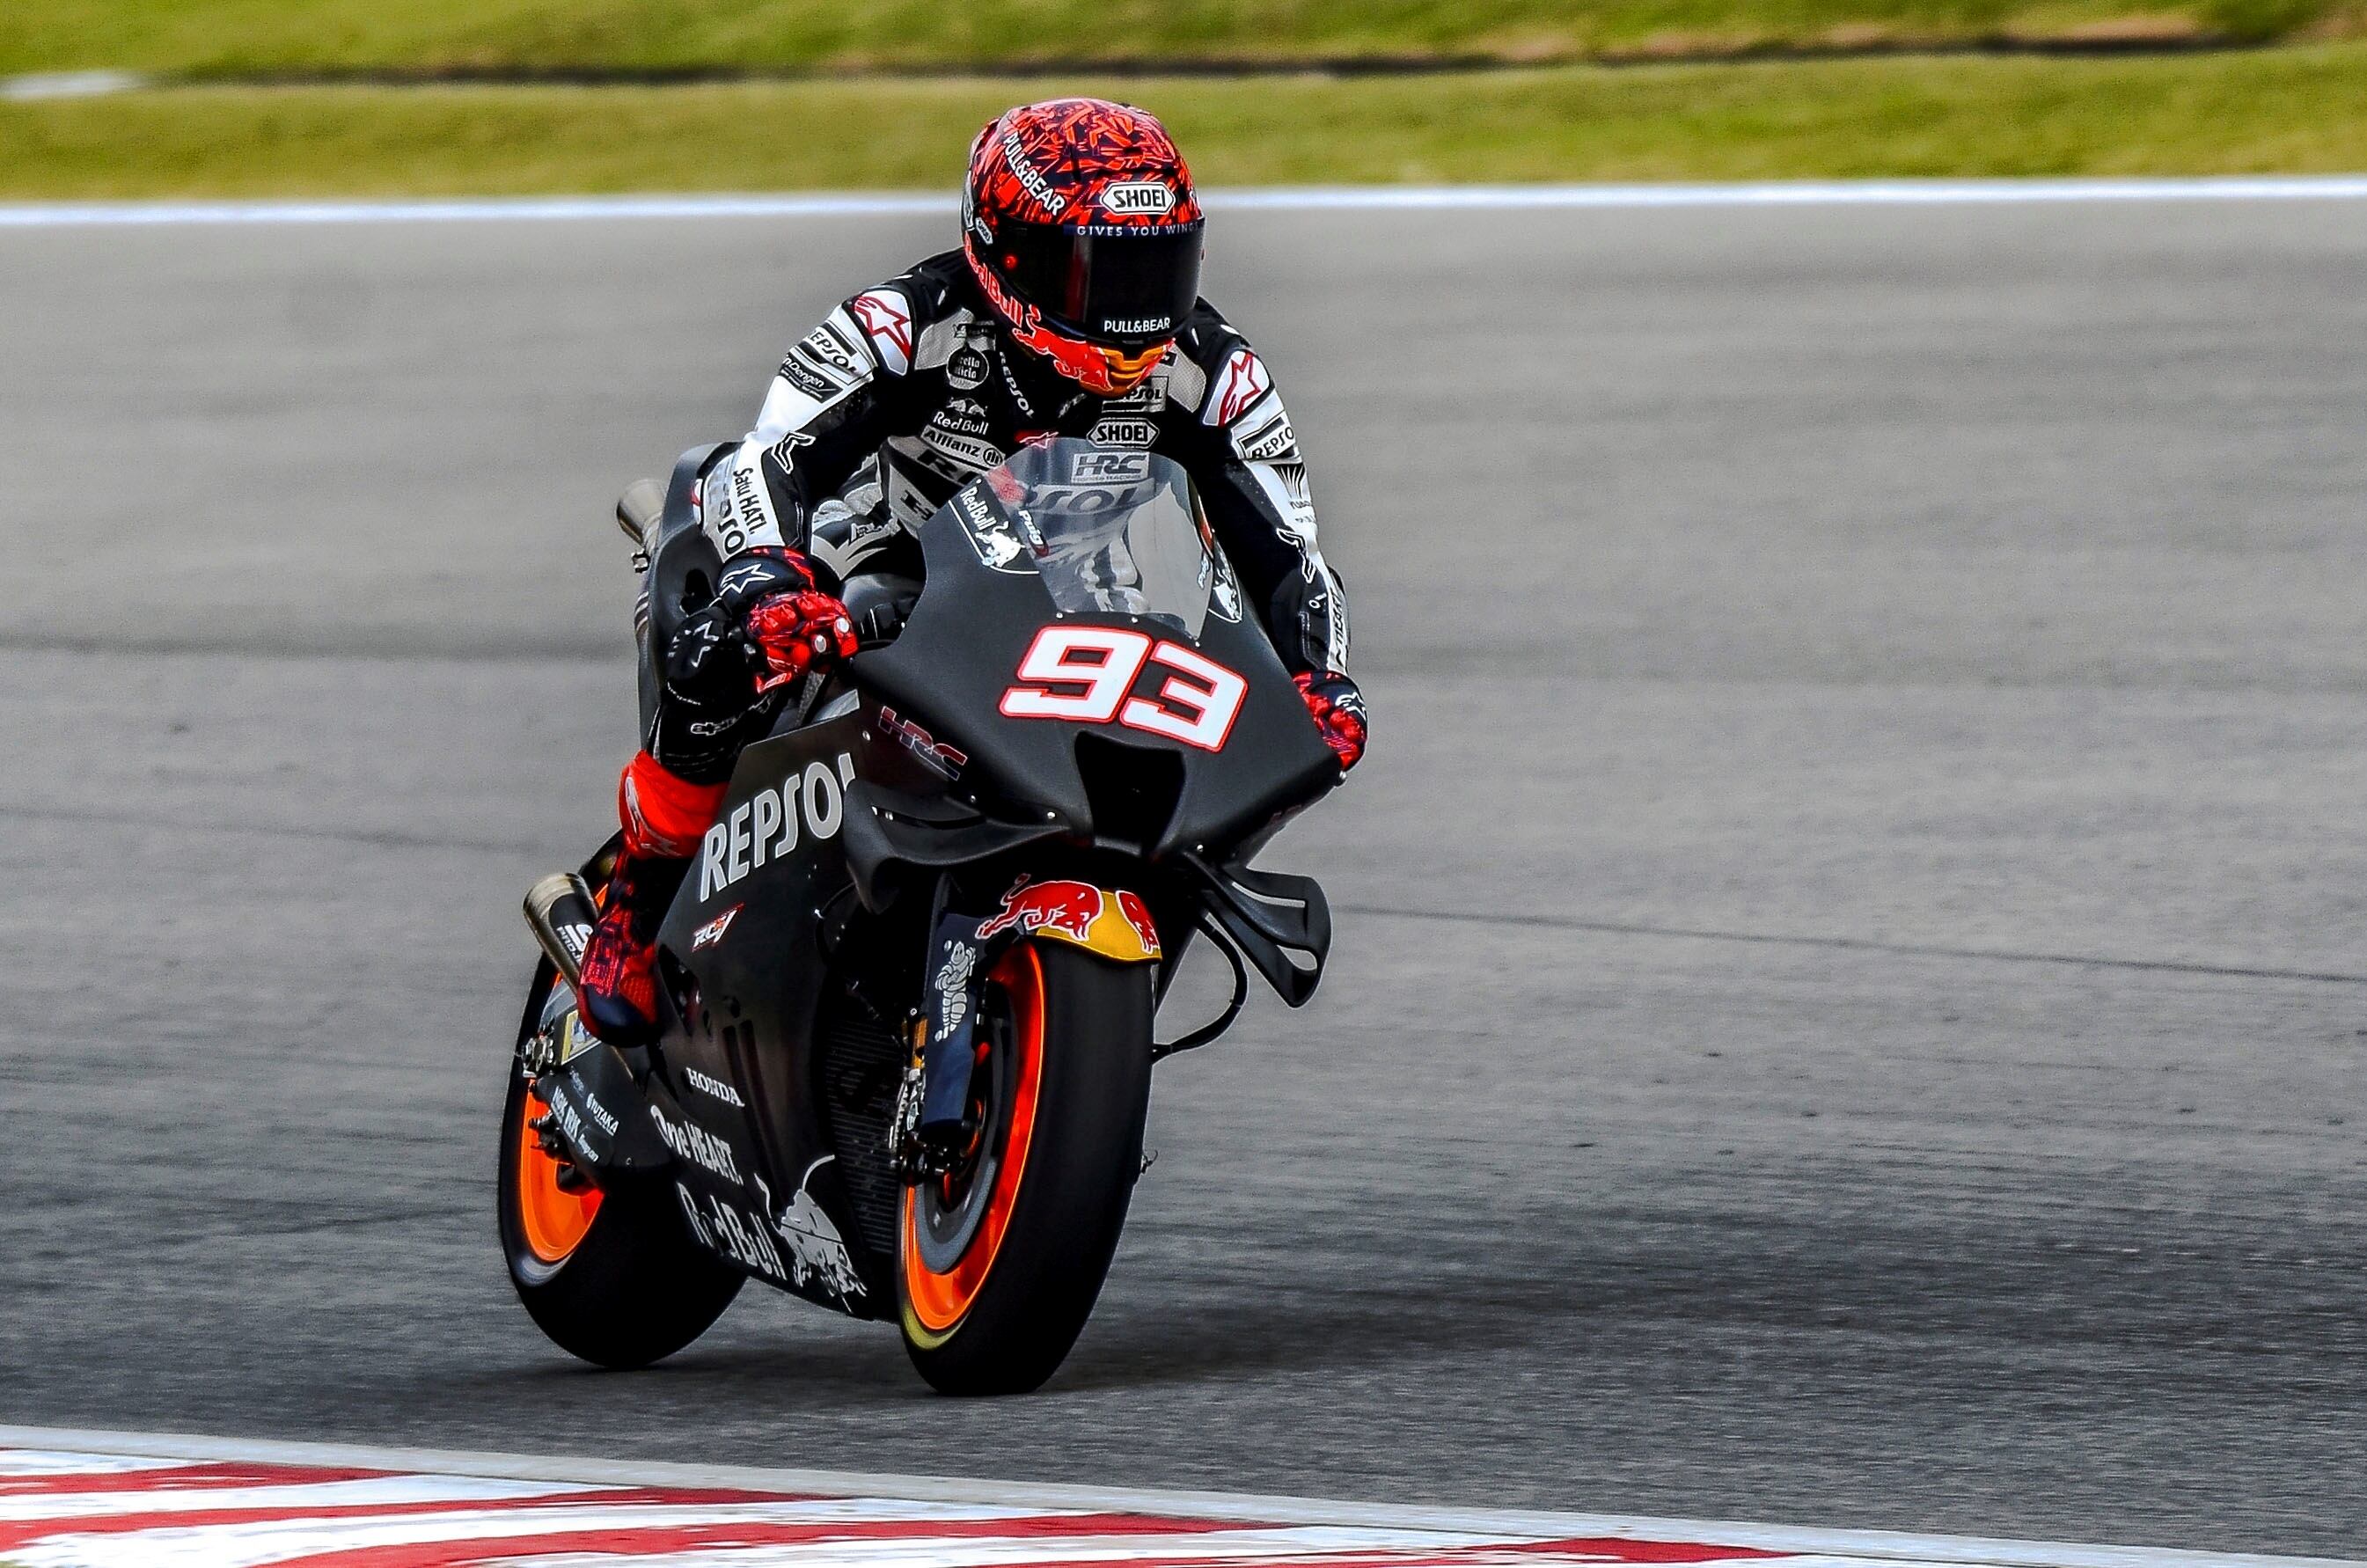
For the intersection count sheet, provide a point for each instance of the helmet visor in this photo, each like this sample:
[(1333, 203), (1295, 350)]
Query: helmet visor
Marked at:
[(1123, 289)]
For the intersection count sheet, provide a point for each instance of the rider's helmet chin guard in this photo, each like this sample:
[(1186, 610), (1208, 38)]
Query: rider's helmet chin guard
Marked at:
[(1081, 226)]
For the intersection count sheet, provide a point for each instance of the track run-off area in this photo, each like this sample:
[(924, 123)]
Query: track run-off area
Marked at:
[(1849, 1007), (203, 1503)]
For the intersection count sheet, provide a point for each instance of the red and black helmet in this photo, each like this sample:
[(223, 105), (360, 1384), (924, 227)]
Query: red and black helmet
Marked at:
[(1080, 220)]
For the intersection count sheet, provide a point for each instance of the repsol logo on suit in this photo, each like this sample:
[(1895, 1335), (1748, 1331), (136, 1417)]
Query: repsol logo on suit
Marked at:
[(810, 803)]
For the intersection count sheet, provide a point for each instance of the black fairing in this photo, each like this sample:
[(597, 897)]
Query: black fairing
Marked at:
[(683, 569), (960, 651), (748, 998), (772, 1085)]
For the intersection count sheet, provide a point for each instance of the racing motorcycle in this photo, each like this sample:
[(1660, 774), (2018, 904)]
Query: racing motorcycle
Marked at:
[(908, 991)]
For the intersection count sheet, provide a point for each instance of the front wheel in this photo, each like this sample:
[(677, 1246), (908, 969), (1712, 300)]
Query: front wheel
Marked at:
[(1001, 1263), (614, 1278)]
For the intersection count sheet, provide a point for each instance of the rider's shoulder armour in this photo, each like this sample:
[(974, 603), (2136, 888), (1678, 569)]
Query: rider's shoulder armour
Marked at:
[(1215, 375)]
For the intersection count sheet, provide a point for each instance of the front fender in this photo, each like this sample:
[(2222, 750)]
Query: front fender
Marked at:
[(1112, 923)]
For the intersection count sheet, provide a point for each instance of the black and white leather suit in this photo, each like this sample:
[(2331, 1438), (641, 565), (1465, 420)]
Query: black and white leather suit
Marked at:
[(911, 390)]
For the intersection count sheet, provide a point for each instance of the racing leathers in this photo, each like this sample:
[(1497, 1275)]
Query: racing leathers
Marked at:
[(903, 394), (911, 390)]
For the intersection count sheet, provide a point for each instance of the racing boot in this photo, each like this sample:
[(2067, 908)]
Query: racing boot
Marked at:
[(664, 816)]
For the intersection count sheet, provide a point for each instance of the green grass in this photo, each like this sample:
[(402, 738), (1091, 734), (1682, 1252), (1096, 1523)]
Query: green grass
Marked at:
[(227, 38), (2278, 111)]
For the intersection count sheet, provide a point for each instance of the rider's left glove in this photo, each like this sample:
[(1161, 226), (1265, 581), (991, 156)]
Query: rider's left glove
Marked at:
[(770, 595), (1338, 709)]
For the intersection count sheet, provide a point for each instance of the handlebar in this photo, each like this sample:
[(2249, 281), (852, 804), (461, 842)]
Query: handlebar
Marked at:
[(881, 624), (879, 603)]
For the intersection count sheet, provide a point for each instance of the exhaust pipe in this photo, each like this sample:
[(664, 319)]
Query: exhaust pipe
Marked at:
[(559, 911)]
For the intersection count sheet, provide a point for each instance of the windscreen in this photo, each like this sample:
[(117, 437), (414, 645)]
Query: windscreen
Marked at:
[(1109, 532)]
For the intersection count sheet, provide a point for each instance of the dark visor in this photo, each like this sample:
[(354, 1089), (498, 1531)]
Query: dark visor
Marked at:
[(1121, 290)]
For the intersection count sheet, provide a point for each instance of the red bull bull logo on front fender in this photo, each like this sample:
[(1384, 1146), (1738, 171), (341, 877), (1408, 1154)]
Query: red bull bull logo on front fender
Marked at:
[(1115, 925), (1065, 909), (1137, 915)]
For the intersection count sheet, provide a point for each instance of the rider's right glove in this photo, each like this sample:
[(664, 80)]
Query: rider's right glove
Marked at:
[(1338, 709), (770, 595)]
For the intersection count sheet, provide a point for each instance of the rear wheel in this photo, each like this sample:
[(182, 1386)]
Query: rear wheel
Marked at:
[(1001, 1263), (614, 1278)]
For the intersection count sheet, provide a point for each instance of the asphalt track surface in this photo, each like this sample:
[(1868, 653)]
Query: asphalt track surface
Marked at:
[(1850, 1005)]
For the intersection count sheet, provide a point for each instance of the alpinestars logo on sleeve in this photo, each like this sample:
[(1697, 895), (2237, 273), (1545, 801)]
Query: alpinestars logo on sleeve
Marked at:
[(784, 450), (890, 326), (1240, 384)]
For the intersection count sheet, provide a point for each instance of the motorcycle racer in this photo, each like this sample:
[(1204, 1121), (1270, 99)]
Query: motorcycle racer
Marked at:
[(1071, 308)]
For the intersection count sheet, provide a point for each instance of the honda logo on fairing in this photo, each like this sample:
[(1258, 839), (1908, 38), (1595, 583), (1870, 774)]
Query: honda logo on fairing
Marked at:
[(1136, 198)]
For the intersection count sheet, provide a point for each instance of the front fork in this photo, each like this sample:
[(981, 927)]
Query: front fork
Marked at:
[(932, 1126)]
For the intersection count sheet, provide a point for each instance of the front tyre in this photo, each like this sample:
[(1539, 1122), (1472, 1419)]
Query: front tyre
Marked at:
[(1000, 1265), (611, 1276)]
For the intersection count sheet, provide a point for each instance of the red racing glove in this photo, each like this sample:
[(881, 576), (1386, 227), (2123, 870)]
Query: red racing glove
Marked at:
[(1338, 709), (797, 631), (770, 594)]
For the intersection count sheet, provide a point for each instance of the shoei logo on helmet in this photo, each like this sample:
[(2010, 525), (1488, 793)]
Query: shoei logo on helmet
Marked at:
[(1136, 197), (1028, 176)]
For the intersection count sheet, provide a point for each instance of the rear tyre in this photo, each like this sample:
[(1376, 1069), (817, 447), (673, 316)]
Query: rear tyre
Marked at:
[(612, 1276), (1000, 1268)]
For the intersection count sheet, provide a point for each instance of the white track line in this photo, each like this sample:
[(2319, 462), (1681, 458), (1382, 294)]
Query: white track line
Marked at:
[(1858, 1546), (377, 1491), (1367, 198), (32, 1466), (67, 84)]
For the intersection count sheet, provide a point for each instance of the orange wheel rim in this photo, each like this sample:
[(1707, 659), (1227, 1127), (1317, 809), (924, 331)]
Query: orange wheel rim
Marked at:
[(939, 1300), (554, 1219)]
